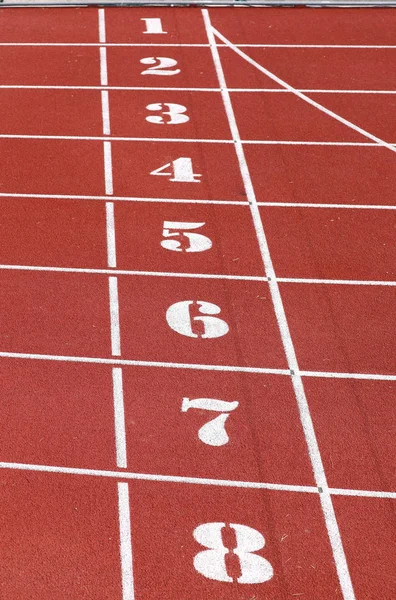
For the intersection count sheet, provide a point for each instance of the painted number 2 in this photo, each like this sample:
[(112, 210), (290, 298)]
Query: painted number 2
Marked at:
[(171, 114), (161, 66), (211, 563), (212, 433), (183, 240)]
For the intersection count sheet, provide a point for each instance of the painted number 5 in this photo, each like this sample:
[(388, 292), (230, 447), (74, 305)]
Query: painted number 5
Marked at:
[(160, 66), (211, 563), (183, 240)]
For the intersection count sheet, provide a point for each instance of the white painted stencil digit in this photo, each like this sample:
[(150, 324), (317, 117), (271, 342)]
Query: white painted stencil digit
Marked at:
[(182, 318), (214, 432), (211, 563), (170, 113), (161, 66), (153, 26), (183, 240), (179, 170)]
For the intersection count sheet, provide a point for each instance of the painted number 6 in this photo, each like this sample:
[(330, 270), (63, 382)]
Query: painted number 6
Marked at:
[(180, 317)]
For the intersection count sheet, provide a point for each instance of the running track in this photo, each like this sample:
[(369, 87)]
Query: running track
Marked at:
[(197, 285)]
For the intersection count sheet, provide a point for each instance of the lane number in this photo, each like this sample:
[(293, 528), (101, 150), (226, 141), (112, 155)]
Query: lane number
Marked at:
[(153, 26), (211, 563), (180, 171), (212, 433), (175, 113), (180, 317), (184, 240), (161, 66)]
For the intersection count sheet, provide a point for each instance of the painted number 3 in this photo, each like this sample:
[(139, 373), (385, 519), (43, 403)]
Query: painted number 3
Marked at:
[(211, 563)]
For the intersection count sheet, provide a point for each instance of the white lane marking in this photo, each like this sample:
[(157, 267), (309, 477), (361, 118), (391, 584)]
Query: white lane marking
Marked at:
[(114, 317), (119, 418), (102, 26), (193, 89), (195, 275), (99, 138), (175, 45), (305, 416), (128, 592), (124, 199), (318, 205), (193, 480), (105, 112), (103, 66), (199, 367), (108, 168), (302, 96), (110, 235)]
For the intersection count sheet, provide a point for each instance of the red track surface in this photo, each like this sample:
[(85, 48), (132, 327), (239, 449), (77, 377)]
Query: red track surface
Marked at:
[(119, 344)]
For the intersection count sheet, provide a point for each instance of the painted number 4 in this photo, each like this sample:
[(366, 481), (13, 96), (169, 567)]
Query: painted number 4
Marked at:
[(211, 563), (212, 433), (179, 170)]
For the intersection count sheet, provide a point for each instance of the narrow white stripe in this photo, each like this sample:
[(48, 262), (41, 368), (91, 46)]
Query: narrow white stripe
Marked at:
[(347, 206), (125, 542), (91, 138), (110, 234), (306, 421), (124, 199), (119, 419), (114, 317), (192, 275), (199, 367), (175, 45), (103, 66), (105, 112), (302, 96), (108, 168), (102, 26), (192, 480)]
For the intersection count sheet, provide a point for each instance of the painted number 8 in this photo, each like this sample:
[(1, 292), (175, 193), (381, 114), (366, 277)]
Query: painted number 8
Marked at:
[(211, 563)]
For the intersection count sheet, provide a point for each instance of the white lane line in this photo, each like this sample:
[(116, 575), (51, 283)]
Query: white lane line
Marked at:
[(305, 416), (318, 205), (105, 112), (193, 480), (199, 367), (175, 45), (102, 26), (108, 168), (302, 96), (123, 199), (119, 418), (99, 138), (114, 317), (103, 66), (110, 235), (192, 89), (111, 254), (128, 592)]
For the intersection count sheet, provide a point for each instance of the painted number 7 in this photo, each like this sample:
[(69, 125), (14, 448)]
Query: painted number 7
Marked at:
[(212, 433)]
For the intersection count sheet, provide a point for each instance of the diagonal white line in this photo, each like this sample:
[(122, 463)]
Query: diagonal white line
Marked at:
[(299, 94), (303, 407)]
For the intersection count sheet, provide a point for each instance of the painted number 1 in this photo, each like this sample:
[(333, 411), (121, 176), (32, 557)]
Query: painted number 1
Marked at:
[(153, 26)]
